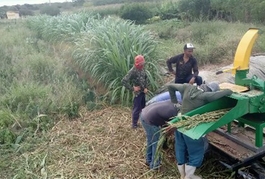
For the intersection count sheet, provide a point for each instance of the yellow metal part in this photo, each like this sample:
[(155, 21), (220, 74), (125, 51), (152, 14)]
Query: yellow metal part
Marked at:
[(244, 48), (235, 88)]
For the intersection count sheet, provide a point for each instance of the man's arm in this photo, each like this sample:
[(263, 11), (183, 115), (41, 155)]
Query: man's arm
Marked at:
[(170, 61), (172, 88), (146, 83), (195, 68), (126, 80), (212, 96)]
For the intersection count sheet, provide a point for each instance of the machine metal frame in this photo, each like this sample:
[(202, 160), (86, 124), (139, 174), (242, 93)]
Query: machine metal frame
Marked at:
[(247, 108)]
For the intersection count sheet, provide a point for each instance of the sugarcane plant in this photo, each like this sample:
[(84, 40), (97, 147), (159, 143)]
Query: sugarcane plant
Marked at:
[(188, 122)]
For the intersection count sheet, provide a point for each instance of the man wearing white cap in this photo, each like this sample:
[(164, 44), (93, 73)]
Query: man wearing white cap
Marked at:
[(186, 66)]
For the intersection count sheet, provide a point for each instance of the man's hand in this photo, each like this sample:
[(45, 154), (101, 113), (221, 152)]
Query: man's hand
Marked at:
[(145, 90), (192, 80), (177, 105), (169, 130), (136, 88)]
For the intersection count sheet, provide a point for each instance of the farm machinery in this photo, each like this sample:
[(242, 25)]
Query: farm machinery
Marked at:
[(238, 134)]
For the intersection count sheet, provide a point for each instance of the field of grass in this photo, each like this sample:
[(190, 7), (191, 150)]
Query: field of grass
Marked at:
[(55, 118)]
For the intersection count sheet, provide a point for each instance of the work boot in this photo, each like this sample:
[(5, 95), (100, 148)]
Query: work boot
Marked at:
[(181, 171), (189, 170)]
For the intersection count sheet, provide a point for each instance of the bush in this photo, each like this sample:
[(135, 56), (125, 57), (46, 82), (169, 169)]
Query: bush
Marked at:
[(138, 13), (168, 10), (194, 9), (103, 12), (106, 2), (2, 13), (25, 12), (6, 136), (50, 10), (30, 99), (71, 109), (78, 2)]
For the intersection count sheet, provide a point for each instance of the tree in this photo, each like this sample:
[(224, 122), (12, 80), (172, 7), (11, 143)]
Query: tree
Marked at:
[(78, 2), (135, 12), (50, 10), (25, 12), (195, 8), (2, 13)]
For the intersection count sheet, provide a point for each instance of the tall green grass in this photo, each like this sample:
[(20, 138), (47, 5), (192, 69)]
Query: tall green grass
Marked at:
[(107, 52), (104, 48), (34, 83), (59, 28)]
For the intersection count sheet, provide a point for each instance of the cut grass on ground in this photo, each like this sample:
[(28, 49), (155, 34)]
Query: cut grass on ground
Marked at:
[(99, 145)]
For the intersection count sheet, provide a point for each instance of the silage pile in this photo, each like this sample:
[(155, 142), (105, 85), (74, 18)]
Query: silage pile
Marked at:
[(102, 145)]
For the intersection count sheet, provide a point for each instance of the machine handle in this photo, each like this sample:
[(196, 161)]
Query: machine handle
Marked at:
[(226, 70), (219, 72)]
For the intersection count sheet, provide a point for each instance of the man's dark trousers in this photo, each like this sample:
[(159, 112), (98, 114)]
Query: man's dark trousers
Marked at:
[(138, 105), (198, 80)]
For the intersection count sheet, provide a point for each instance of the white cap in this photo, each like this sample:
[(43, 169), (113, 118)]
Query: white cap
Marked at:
[(188, 46)]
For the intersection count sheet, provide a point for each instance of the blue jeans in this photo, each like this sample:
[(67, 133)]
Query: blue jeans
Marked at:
[(189, 151), (152, 137)]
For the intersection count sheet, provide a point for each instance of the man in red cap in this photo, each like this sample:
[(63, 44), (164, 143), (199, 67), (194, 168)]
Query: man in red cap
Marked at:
[(136, 81)]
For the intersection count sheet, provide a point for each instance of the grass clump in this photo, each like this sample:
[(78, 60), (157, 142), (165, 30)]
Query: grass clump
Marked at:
[(107, 52), (59, 28)]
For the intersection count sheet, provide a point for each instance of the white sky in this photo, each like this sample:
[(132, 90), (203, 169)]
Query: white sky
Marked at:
[(21, 2)]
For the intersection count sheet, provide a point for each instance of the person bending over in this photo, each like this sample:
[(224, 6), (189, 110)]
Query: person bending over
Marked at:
[(190, 152)]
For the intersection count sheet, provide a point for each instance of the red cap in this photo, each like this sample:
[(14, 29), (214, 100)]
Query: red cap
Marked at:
[(139, 62)]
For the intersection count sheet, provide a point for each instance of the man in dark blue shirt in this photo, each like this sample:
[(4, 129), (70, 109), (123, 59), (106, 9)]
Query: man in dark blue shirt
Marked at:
[(185, 65)]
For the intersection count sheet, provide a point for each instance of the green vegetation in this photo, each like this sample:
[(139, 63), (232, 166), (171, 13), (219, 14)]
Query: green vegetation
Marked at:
[(138, 13), (106, 2), (54, 69), (50, 10), (230, 10), (34, 84), (168, 10), (98, 45)]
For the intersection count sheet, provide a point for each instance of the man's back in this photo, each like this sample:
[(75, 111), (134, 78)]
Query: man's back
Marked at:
[(194, 97), (158, 113)]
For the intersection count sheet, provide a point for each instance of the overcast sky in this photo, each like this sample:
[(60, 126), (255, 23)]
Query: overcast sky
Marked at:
[(21, 2)]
